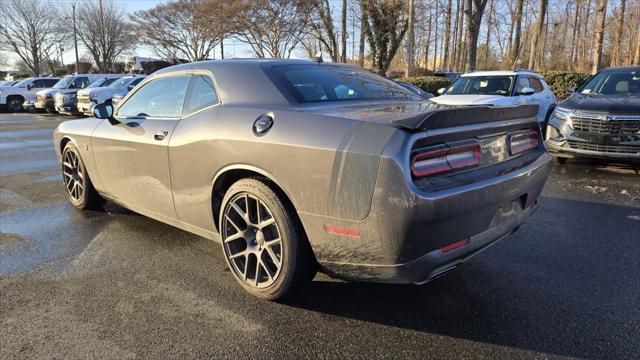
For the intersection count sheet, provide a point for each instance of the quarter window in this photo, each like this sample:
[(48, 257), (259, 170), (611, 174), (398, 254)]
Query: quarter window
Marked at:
[(535, 84), (202, 95), (521, 83), (160, 98)]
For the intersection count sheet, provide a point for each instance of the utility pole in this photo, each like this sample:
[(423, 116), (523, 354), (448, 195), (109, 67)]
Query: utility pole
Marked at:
[(409, 70), (222, 49), (343, 57), (75, 36)]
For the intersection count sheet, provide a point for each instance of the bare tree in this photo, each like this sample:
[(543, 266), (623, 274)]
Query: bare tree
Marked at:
[(601, 11), (103, 30), (187, 29), (273, 28), (362, 43), (410, 42), (537, 33), (474, 10), (447, 35), (343, 57), (617, 49), (385, 25), (29, 29), (323, 29)]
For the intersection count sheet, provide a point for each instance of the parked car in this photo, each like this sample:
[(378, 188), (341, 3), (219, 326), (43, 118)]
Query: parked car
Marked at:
[(451, 75), (9, 82), (117, 98), (501, 88), (89, 97), (416, 90), (292, 164), (68, 84), (601, 119), (67, 102), (13, 97)]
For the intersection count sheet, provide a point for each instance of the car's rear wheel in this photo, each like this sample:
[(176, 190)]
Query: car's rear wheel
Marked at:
[(77, 183), (14, 104), (263, 244)]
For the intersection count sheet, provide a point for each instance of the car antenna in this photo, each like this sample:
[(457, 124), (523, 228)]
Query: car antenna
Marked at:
[(318, 58)]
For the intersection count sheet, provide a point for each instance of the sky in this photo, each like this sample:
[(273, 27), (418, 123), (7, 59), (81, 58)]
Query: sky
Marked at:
[(232, 47)]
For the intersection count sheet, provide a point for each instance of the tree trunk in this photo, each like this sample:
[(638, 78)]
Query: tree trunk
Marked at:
[(454, 47), (474, 11), (447, 36), (343, 57), (410, 41), (572, 58), (517, 19), (601, 12), (428, 41), (362, 39), (535, 39), (616, 54), (487, 50)]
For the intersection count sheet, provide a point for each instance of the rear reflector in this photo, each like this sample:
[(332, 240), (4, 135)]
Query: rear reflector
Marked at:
[(445, 158), (519, 143), (342, 231), (455, 245)]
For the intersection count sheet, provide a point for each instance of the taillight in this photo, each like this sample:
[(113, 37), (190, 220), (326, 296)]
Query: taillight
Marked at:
[(445, 158), (521, 142)]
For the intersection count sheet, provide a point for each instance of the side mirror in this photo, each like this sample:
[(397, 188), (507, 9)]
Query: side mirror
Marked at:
[(130, 87), (29, 87), (527, 91), (105, 111), (441, 91), (571, 90)]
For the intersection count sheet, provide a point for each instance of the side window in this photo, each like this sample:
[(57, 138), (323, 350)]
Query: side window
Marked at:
[(162, 98), (521, 83), (535, 84), (79, 83), (202, 94), (37, 84), (50, 82)]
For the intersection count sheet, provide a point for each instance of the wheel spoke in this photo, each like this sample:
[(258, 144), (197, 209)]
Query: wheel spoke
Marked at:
[(266, 270), (244, 215), (233, 224), (273, 256), (67, 164), (272, 242), (239, 254), (266, 223), (233, 237), (257, 270)]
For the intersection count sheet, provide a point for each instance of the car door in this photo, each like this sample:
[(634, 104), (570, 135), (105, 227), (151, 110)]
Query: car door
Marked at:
[(132, 156), (541, 97), (189, 159), (522, 82)]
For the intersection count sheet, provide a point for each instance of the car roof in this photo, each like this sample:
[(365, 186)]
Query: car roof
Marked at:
[(501, 73), (623, 68)]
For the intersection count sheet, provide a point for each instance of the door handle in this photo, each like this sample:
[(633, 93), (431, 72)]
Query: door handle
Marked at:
[(160, 134)]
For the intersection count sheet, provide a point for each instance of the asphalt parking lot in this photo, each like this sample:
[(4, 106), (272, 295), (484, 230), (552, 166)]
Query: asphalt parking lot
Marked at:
[(114, 284)]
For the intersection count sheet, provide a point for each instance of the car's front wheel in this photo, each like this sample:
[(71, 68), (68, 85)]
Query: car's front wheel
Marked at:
[(77, 183), (263, 243), (14, 104)]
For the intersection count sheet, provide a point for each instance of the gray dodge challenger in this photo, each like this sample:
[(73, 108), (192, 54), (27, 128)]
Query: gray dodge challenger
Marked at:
[(296, 166)]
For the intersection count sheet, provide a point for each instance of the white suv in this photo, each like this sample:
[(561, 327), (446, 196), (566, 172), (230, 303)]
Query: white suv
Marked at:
[(500, 88), (13, 97), (89, 97)]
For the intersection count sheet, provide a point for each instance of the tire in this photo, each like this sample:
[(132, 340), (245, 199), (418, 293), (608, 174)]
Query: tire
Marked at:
[(263, 243), (561, 160), (76, 180), (14, 104)]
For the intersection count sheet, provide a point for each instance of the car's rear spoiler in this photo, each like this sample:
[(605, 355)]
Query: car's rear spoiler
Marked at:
[(448, 116)]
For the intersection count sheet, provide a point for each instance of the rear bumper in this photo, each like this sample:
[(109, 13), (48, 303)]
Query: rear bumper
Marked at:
[(434, 263), (46, 104)]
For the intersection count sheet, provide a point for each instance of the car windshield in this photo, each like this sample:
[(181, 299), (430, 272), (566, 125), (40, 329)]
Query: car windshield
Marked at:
[(313, 83), (100, 83), (63, 83), (23, 83), (122, 82), (482, 85), (614, 82)]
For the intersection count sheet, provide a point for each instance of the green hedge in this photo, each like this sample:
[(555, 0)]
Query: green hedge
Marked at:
[(561, 81), (430, 84)]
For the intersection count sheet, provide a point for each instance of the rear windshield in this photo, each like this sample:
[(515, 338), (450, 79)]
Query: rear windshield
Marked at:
[(481, 85), (314, 83), (614, 82)]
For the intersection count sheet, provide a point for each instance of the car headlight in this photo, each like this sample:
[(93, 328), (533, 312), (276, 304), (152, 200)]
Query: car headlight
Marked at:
[(562, 114)]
